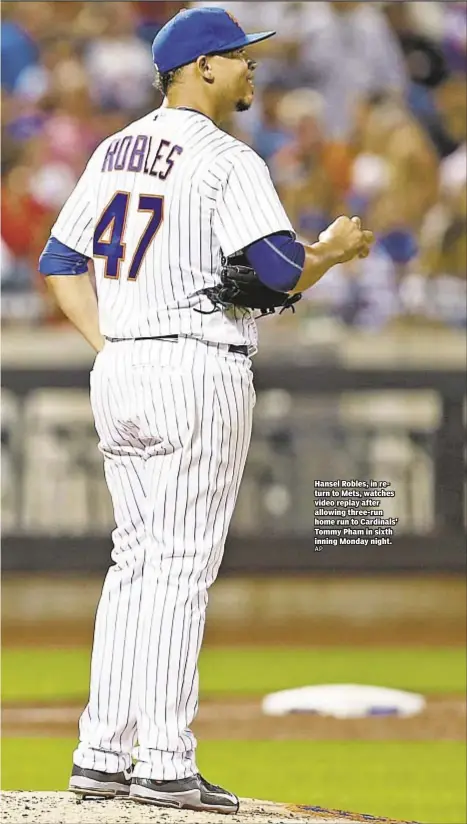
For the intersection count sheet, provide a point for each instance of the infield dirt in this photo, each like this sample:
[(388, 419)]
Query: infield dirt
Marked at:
[(61, 808)]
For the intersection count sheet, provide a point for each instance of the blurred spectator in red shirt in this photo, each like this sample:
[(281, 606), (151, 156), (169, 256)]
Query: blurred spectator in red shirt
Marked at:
[(72, 128), (25, 221)]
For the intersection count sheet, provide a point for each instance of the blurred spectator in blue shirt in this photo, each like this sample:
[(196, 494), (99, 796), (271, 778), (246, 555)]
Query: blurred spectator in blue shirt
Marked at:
[(350, 53), (22, 26), (269, 134), (362, 294), (119, 65)]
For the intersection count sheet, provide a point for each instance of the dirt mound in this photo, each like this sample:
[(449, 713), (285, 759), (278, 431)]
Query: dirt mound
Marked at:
[(62, 808)]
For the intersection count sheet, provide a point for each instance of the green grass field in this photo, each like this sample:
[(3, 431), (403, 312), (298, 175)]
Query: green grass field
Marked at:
[(420, 780)]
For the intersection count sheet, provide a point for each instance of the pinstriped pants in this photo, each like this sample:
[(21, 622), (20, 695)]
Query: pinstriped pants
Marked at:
[(174, 423)]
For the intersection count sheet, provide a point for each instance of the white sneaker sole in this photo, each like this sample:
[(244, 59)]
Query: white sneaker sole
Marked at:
[(188, 800), (80, 785)]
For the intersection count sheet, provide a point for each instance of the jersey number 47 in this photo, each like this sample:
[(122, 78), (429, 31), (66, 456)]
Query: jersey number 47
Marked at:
[(108, 242)]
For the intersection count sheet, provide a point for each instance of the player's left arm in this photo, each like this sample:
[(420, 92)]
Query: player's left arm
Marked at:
[(64, 261), (278, 260), (249, 216)]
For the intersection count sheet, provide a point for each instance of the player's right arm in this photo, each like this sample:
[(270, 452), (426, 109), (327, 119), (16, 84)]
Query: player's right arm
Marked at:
[(341, 242), (74, 294), (64, 261)]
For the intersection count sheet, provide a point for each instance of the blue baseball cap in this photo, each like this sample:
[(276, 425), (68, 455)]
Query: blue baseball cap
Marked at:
[(194, 32)]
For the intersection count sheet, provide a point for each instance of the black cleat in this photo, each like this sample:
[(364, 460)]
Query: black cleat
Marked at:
[(193, 793), (97, 784)]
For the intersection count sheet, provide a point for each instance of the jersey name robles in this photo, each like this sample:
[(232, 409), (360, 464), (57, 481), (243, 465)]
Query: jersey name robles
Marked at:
[(155, 207)]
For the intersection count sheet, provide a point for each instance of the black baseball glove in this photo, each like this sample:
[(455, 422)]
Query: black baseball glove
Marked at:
[(241, 287)]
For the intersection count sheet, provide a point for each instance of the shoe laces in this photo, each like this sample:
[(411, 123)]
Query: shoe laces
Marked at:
[(211, 787)]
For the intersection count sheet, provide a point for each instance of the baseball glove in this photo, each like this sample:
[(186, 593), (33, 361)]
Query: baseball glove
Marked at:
[(241, 287)]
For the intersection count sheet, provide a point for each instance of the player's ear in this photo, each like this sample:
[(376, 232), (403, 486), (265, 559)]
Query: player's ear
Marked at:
[(205, 68)]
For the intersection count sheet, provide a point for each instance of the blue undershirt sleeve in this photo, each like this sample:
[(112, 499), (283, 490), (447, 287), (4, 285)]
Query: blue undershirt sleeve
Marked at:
[(278, 260), (59, 259)]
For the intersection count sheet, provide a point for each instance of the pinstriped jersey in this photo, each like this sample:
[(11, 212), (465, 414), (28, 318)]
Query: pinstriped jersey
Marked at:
[(156, 207)]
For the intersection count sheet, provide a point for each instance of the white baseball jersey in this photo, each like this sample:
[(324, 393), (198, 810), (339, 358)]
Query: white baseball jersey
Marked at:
[(156, 206)]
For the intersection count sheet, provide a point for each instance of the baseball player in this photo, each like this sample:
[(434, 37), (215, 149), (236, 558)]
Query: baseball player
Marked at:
[(160, 209)]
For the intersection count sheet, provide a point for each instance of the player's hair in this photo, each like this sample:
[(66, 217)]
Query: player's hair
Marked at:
[(164, 80)]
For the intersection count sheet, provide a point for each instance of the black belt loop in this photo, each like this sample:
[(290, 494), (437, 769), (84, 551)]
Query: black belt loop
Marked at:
[(238, 350)]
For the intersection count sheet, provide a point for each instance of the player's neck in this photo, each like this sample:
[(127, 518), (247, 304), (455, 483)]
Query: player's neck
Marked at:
[(189, 101)]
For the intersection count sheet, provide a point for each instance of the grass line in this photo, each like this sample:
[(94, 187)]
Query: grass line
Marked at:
[(62, 674)]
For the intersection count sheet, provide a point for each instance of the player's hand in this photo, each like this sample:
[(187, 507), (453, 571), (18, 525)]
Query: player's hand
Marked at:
[(347, 239)]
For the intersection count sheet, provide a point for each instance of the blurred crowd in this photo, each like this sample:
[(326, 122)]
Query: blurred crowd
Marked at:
[(361, 109)]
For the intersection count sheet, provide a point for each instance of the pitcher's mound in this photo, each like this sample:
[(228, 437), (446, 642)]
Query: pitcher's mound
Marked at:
[(61, 808)]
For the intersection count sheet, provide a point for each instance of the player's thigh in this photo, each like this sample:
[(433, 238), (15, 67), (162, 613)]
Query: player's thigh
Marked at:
[(115, 398), (234, 400), (193, 480), (123, 451), (203, 416)]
